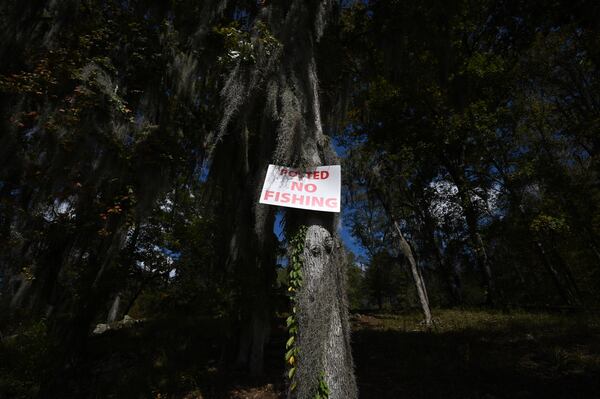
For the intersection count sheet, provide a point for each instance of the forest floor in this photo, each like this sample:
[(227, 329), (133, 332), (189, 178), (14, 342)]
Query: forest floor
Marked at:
[(470, 354), (478, 354)]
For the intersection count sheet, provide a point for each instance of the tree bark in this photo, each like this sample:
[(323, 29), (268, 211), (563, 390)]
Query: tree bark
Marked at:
[(322, 313), (417, 276)]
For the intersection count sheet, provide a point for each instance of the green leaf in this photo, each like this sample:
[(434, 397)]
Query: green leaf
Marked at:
[(289, 321), (289, 354), (289, 342)]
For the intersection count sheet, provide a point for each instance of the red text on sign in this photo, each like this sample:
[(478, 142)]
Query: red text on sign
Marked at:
[(317, 175), (300, 199), (299, 186)]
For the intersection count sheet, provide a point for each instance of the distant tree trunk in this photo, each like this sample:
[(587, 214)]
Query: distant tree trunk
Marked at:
[(569, 292), (20, 293), (559, 271), (414, 269), (582, 223), (584, 227), (565, 293), (417, 276), (472, 219), (570, 279), (136, 295), (450, 275), (113, 313), (595, 249)]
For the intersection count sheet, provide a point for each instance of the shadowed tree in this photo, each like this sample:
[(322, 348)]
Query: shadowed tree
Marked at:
[(274, 77)]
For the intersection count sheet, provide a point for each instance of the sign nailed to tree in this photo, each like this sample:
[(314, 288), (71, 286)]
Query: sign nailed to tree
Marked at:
[(316, 189)]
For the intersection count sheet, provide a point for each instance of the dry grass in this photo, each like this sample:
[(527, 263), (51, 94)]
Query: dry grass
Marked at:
[(478, 354), (470, 354)]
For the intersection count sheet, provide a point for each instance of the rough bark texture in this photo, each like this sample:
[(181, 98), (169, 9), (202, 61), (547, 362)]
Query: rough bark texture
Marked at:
[(324, 331)]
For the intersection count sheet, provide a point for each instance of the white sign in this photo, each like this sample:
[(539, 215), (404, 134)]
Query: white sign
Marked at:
[(317, 189)]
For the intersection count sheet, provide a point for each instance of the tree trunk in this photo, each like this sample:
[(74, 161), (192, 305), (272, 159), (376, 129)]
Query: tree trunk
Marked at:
[(564, 291), (450, 275), (569, 277), (472, 219), (253, 337), (282, 86), (322, 314), (113, 313), (379, 300), (569, 292), (417, 276), (408, 254)]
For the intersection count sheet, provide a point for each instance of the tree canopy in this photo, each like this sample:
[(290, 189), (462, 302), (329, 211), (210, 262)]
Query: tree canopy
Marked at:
[(135, 136)]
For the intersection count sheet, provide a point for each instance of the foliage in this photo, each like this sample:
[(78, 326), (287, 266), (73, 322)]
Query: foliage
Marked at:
[(134, 135), (323, 390), (296, 249), (466, 125)]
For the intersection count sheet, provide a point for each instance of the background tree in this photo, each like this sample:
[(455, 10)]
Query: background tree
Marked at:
[(134, 137)]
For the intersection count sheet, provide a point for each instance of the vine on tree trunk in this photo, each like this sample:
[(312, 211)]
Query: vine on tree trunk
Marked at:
[(294, 283), (323, 389)]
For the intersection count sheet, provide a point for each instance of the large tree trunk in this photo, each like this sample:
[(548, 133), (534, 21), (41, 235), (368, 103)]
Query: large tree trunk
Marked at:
[(282, 87), (250, 253), (323, 327)]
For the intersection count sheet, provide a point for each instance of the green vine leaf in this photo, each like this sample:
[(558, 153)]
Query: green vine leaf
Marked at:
[(294, 283)]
